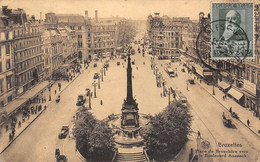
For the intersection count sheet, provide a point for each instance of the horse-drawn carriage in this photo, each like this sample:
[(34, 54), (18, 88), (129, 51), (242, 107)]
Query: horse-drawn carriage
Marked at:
[(226, 121)]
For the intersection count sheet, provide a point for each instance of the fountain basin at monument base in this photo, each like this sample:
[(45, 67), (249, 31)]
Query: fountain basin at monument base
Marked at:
[(127, 135)]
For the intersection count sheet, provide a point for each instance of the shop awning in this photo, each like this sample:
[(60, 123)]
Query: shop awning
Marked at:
[(20, 101), (183, 51), (118, 48), (208, 73), (224, 74), (237, 95), (224, 85)]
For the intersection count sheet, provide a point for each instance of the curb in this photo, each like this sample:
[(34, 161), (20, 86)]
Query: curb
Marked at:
[(38, 114), (228, 110)]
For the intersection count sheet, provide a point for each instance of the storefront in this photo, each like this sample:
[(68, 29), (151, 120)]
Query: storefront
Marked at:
[(251, 99), (236, 95), (223, 86)]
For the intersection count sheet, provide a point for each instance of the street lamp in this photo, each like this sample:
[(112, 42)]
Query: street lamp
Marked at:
[(187, 85), (99, 82), (101, 72), (157, 71), (94, 84), (49, 90), (169, 97), (213, 83), (104, 72), (89, 95)]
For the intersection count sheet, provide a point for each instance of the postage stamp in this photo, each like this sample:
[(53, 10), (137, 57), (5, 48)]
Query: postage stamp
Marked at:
[(232, 30)]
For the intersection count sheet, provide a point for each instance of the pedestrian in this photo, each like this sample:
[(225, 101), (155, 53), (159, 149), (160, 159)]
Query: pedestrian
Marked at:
[(6, 127), (191, 154), (101, 102), (10, 137), (45, 107), (223, 98), (42, 100), (199, 136), (161, 94), (230, 110), (223, 115), (19, 124), (13, 131), (248, 122), (28, 116), (55, 91)]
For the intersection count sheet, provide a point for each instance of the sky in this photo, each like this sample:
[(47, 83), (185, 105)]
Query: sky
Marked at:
[(134, 9)]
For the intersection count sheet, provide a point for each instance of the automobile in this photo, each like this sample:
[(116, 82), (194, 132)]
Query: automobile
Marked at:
[(61, 158), (191, 81), (81, 100), (227, 122), (64, 132), (96, 76), (58, 99), (183, 70), (132, 51), (118, 63), (133, 62), (95, 65)]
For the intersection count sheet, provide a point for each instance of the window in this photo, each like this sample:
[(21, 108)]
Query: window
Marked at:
[(79, 36), (258, 79), (1, 86), (7, 50), (79, 27), (8, 64), (253, 77), (7, 35), (0, 67), (0, 52), (9, 82)]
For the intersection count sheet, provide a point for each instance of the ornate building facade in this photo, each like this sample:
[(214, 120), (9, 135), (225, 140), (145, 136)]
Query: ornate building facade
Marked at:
[(7, 78)]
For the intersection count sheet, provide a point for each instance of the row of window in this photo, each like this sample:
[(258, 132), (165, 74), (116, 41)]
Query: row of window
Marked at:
[(101, 45), (27, 76), (107, 27), (26, 53), (25, 43), (28, 63), (168, 45), (75, 27), (21, 32)]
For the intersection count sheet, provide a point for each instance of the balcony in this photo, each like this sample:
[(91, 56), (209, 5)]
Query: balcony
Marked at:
[(18, 49), (20, 71), (21, 59), (27, 35)]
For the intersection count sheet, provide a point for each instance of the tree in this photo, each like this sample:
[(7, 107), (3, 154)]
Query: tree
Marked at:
[(126, 32), (94, 138), (167, 132)]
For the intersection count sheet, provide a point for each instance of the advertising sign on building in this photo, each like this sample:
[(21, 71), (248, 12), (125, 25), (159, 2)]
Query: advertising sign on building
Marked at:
[(250, 86)]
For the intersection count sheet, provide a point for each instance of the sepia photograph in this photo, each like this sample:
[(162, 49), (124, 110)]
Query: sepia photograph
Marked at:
[(129, 81)]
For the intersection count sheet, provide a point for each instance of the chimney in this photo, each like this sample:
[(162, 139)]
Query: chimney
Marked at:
[(96, 16), (40, 16), (86, 14)]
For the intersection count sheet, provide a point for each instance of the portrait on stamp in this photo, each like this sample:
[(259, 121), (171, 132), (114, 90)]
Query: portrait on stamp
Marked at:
[(232, 30)]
